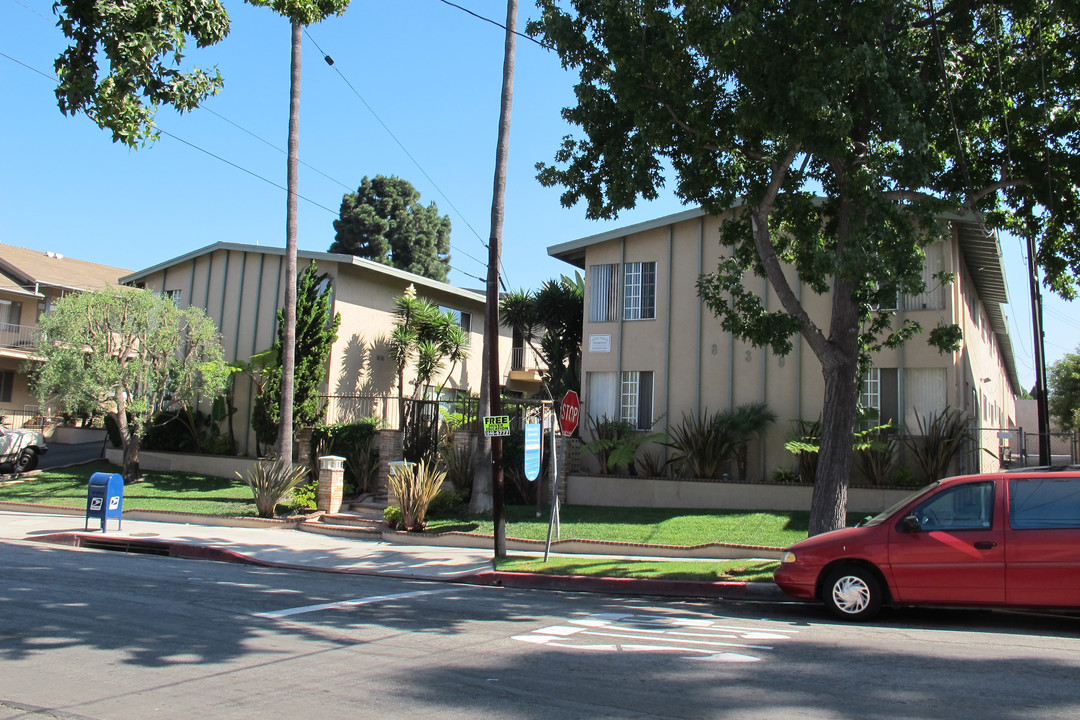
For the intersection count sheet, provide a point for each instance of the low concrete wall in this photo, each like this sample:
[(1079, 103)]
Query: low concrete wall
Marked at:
[(650, 492), (222, 466), (73, 436)]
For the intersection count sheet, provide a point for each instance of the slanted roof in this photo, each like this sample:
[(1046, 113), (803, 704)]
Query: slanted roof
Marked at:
[(318, 257), (980, 247), (27, 270)]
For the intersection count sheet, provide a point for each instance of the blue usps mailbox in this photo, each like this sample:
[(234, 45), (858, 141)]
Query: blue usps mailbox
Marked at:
[(105, 498)]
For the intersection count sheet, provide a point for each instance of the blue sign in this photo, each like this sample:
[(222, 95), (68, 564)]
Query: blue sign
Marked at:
[(533, 439)]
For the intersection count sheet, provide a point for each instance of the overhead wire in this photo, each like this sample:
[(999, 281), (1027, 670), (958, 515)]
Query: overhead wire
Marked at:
[(222, 159)]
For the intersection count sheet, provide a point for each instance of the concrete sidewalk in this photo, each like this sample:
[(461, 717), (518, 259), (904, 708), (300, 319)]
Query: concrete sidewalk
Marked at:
[(279, 545)]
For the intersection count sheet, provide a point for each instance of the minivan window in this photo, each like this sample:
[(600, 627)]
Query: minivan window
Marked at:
[(1044, 503), (965, 507), (887, 512)]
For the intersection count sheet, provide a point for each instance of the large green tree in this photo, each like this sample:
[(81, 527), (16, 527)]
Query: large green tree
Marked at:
[(1063, 380), (300, 14), (125, 59), (385, 221), (316, 332), (132, 353), (842, 131)]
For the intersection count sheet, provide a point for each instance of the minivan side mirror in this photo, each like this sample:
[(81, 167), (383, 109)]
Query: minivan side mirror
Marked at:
[(910, 524)]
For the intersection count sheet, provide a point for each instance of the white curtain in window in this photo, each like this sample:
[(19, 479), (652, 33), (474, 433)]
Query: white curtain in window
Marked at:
[(602, 395), (925, 393)]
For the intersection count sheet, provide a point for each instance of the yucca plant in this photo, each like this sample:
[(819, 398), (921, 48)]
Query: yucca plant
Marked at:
[(414, 486), (940, 438), (458, 461), (877, 454), (702, 448), (271, 480)]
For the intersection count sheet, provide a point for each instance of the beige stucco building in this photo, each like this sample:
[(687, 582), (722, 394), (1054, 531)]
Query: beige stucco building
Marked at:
[(30, 282), (652, 350), (241, 287)]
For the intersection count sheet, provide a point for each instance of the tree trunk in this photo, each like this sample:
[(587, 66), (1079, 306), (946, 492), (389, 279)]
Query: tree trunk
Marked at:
[(288, 350), (131, 470), (828, 507)]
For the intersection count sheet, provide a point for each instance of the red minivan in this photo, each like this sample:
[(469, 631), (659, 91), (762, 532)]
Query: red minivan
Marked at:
[(1007, 539)]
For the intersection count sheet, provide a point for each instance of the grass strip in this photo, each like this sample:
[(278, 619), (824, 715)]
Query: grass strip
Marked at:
[(700, 570), (162, 491)]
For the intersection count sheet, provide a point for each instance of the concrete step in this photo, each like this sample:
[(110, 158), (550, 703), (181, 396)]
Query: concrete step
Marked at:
[(354, 531), (352, 519)]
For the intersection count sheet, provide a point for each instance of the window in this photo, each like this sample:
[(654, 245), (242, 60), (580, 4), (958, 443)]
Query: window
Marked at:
[(45, 306), (175, 295), (965, 507), (626, 396), (639, 291), (879, 393), (10, 313), (463, 320), (635, 401), (933, 295), (1044, 503), (925, 392), (604, 293), (7, 382)]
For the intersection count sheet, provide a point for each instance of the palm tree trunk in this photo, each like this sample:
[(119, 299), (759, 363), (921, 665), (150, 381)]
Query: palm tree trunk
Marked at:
[(288, 350)]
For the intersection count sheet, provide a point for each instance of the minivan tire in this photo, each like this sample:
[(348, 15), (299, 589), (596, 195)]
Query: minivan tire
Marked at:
[(852, 593)]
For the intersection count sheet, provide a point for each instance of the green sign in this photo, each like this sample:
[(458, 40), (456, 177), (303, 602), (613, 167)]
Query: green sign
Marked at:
[(497, 426)]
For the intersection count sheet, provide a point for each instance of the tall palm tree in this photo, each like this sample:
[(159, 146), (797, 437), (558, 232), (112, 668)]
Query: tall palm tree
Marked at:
[(300, 14)]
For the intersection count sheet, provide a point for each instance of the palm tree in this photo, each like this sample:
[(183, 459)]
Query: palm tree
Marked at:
[(300, 14)]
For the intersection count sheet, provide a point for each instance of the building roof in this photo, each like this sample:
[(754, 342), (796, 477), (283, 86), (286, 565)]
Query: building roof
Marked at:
[(24, 270), (980, 247), (324, 257)]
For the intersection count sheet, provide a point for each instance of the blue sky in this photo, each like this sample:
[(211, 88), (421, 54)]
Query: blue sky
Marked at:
[(430, 72)]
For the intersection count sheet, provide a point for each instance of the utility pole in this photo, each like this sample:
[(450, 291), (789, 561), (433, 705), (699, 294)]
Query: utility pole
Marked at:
[(1041, 404), (491, 325)]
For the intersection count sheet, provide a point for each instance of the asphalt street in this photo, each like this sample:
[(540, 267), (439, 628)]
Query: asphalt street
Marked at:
[(101, 635)]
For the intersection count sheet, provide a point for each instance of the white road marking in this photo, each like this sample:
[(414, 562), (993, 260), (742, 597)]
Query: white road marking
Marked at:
[(351, 603), (695, 638)]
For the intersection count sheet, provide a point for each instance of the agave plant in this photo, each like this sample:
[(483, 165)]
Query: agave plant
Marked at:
[(940, 438), (415, 485), (743, 424), (271, 480), (805, 446)]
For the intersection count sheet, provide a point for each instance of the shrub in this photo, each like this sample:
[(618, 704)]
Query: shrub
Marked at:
[(303, 497), (270, 480), (805, 446), (458, 463), (785, 475), (356, 443), (877, 455), (415, 486), (702, 447), (393, 517), (615, 443), (447, 503), (940, 438)]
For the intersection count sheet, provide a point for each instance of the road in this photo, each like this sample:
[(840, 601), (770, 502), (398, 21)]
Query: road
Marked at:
[(106, 636)]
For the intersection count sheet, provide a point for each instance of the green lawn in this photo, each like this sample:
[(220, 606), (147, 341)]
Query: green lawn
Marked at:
[(699, 570), (655, 526), (177, 492)]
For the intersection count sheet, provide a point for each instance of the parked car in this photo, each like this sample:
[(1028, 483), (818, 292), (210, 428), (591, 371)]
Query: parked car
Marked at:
[(20, 449), (982, 540)]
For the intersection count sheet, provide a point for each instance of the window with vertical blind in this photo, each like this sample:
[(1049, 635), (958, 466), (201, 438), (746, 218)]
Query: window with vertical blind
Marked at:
[(926, 394), (601, 395), (604, 293), (933, 295), (639, 291)]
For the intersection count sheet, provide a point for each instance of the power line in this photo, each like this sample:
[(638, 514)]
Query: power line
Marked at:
[(330, 61), (495, 23)]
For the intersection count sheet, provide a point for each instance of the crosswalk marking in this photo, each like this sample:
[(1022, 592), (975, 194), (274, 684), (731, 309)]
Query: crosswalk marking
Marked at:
[(351, 603)]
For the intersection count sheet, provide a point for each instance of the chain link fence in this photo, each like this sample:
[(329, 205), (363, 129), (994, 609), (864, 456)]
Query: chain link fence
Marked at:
[(996, 449)]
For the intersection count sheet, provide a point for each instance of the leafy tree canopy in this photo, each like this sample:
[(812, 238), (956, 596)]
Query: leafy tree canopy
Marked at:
[(843, 132), (132, 353), (384, 221), (1063, 381), (142, 42)]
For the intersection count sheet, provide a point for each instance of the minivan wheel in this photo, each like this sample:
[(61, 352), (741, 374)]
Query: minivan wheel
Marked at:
[(852, 593), (26, 461)]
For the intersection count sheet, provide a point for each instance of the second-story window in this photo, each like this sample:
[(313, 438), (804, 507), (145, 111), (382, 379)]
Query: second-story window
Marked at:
[(604, 293), (639, 291)]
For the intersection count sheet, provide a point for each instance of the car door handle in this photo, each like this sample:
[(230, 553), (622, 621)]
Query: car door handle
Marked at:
[(985, 545)]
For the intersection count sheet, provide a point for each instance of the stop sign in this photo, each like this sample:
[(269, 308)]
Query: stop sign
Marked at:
[(569, 413)]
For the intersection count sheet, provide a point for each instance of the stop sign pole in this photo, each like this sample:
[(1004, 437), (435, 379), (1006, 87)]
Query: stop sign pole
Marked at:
[(569, 413)]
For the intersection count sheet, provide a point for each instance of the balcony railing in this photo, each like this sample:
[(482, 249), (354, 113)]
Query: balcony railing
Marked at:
[(19, 337), (524, 358)]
